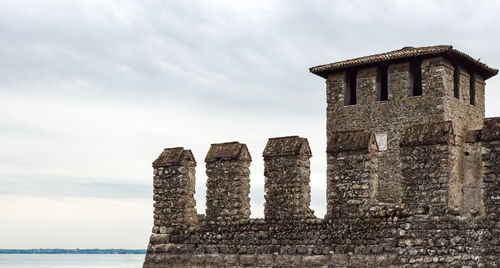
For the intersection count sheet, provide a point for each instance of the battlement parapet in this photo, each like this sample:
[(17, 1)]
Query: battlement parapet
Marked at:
[(289, 230), (427, 161), (412, 177), (287, 176), (491, 129), (228, 182), (352, 179), (174, 188), (490, 157)]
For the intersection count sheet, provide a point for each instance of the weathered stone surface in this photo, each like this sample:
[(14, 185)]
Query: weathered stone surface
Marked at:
[(174, 204), (352, 180), (287, 171), (228, 182), (491, 129), (428, 134), (173, 156), (351, 141), (228, 151), (428, 197), (473, 135), (287, 146), (491, 184)]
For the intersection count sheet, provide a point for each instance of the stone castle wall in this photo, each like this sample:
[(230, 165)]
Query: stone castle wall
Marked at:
[(174, 188), (490, 221), (423, 230), (228, 182), (286, 172), (411, 181), (352, 179)]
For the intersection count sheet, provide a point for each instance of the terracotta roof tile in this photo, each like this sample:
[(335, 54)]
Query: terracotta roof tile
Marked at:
[(406, 52)]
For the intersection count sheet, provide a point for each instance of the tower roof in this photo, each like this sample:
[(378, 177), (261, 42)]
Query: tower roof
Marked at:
[(404, 54)]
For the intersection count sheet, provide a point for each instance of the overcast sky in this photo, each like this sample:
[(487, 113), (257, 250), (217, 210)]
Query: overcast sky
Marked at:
[(92, 91)]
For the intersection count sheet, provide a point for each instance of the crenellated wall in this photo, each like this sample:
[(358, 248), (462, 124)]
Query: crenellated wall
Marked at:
[(435, 232), (174, 188), (412, 180), (490, 138), (358, 230), (352, 178), (426, 155), (287, 171), (228, 182)]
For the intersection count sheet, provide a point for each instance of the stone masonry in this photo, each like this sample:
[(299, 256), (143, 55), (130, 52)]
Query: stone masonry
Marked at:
[(174, 187), (413, 177), (287, 170), (228, 182)]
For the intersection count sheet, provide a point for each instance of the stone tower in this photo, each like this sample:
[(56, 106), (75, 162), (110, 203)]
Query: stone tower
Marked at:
[(387, 92), (412, 175)]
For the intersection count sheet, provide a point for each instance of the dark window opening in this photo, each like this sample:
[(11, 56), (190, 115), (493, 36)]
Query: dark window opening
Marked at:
[(472, 89), (456, 81), (350, 94), (382, 92), (416, 78)]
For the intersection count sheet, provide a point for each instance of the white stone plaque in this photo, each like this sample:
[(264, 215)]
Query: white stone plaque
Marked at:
[(381, 141)]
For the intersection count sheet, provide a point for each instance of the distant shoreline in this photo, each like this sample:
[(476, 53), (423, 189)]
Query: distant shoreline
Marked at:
[(72, 251)]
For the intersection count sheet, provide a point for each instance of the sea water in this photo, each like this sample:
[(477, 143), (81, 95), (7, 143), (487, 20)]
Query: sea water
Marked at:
[(71, 260)]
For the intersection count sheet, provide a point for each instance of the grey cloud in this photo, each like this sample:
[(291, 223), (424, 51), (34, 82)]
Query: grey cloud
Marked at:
[(217, 60), (210, 56), (53, 186), (91, 91)]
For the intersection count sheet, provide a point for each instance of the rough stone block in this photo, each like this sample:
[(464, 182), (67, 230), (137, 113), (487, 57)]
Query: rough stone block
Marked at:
[(361, 140), (428, 134)]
